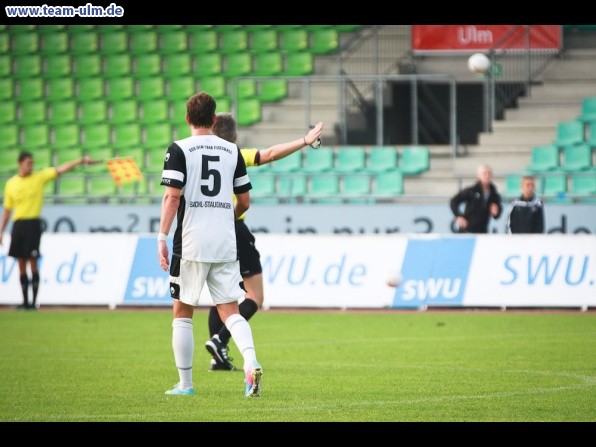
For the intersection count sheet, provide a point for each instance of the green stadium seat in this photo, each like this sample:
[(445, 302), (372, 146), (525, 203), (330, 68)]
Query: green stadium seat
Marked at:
[(244, 88), (173, 41), (16, 29), (216, 86), (9, 136), (27, 66), (292, 187), (263, 40), (155, 159), (143, 42), (382, 158), (72, 188), (249, 112), (263, 187), (25, 43), (583, 184), (203, 41), (513, 185), (120, 88), (224, 28), (54, 43), (31, 112), (324, 41), (554, 184), (4, 43), (29, 89), (66, 135), (287, 165), (8, 112), (414, 160), (133, 29), (84, 43), (159, 135), (208, 64), (272, 90), (150, 88), (42, 157), (56, 65), (388, 184), (64, 155), (50, 29), (35, 136), (299, 64), (591, 136), (356, 188), (544, 158), (319, 161), (324, 186), (127, 135), (237, 64), (92, 112), (178, 113), (6, 88), (137, 153), (86, 65), (294, 40), (124, 111), (154, 111), (102, 188), (268, 64), (350, 159), (113, 42), (59, 89), (180, 88), (576, 158), (146, 65), (588, 110), (96, 136), (569, 133), (117, 65), (224, 104), (177, 65), (8, 159), (347, 28), (233, 41), (88, 89), (5, 66)]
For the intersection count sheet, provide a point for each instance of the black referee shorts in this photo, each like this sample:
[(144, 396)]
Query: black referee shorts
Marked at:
[(249, 256), (25, 238)]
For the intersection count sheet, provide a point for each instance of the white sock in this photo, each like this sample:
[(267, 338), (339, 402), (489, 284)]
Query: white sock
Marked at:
[(242, 335), (184, 346)]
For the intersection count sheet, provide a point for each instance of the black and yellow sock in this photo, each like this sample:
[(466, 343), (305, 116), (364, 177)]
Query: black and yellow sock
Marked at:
[(25, 289)]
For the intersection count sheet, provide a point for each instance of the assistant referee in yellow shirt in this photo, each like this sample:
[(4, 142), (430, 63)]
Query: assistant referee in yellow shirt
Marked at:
[(23, 193)]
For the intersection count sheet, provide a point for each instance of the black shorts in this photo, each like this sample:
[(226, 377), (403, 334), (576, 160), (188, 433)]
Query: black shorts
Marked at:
[(25, 238), (249, 256)]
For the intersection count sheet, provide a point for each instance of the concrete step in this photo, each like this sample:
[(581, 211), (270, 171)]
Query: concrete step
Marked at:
[(530, 137), (532, 111)]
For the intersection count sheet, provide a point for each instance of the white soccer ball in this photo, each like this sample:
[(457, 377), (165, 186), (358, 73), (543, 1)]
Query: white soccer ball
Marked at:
[(478, 63), (393, 278)]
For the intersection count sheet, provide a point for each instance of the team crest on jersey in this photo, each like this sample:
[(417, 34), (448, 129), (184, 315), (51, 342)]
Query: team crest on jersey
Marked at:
[(167, 157)]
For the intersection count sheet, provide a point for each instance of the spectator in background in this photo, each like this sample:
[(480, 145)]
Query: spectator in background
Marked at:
[(23, 193), (526, 213), (480, 202)]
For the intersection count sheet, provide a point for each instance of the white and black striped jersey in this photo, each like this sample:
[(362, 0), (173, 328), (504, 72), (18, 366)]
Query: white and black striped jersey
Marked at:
[(209, 170)]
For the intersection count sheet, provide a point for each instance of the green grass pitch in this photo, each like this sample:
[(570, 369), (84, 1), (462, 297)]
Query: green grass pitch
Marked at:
[(64, 365)]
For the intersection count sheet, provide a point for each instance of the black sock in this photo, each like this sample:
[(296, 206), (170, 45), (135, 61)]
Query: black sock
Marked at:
[(35, 286), (214, 322), (247, 309), (25, 288)]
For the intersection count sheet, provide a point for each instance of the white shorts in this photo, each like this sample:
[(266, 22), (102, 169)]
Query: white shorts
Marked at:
[(222, 278)]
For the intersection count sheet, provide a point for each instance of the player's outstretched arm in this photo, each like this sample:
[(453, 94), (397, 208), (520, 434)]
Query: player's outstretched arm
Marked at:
[(282, 150), (70, 165)]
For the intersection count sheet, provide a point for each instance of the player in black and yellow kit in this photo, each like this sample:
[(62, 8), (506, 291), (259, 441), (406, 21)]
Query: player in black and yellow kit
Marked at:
[(23, 193), (250, 263)]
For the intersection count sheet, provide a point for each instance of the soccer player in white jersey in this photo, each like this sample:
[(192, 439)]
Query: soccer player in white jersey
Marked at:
[(201, 174)]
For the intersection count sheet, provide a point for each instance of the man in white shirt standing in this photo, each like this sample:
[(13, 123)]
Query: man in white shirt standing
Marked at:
[(201, 174)]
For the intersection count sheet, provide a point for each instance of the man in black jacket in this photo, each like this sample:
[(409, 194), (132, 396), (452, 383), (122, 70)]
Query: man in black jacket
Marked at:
[(480, 202), (527, 211)]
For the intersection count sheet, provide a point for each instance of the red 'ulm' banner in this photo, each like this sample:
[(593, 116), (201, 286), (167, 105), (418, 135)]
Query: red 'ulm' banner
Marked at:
[(485, 37)]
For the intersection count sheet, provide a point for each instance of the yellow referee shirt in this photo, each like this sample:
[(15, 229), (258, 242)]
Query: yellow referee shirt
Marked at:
[(24, 195)]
